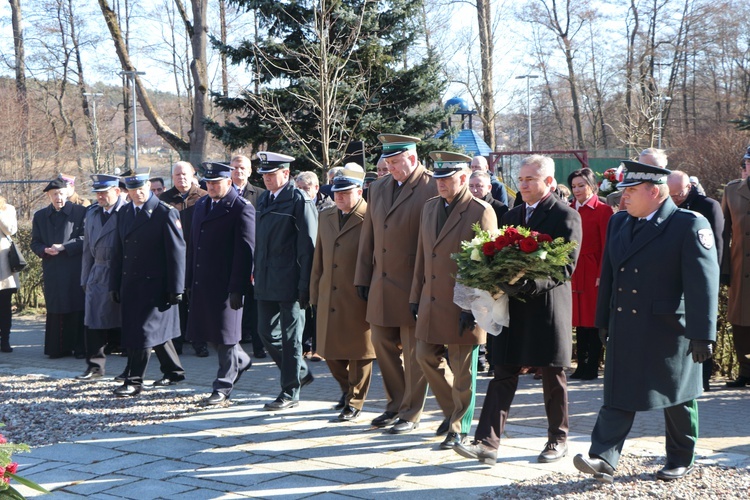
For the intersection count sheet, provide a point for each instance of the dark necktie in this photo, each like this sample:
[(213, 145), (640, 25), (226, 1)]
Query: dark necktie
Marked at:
[(271, 198), (136, 211), (105, 216), (529, 213)]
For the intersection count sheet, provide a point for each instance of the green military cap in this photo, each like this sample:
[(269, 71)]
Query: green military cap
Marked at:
[(394, 144), (638, 173), (448, 163)]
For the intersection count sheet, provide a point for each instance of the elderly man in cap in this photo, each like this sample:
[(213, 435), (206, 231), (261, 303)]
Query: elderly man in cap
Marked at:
[(73, 197), (540, 329), (183, 195), (343, 334), (102, 317), (219, 265), (443, 329), (285, 229), (657, 308), (57, 238), (734, 265), (385, 267), (148, 279)]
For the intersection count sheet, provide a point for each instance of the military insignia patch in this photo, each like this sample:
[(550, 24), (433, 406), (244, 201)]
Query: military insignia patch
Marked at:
[(706, 238)]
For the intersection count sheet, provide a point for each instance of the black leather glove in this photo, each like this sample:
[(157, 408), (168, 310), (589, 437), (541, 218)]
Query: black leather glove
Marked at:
[(522, 286), (304, 299), (235, 300), (466, 321), (363, 292), (701, 349), (174, 298), (603, 335), (414, 308), (115, 296)]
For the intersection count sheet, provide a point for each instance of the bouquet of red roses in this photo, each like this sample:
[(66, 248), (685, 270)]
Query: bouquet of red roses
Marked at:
[(609, 181), (8, 470), (507, 255)]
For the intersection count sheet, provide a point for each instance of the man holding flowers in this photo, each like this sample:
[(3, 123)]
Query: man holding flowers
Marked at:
[(443, 328), (540, 330)]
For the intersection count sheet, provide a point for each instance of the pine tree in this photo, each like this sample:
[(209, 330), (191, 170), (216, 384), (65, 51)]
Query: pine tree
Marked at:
[(328, 72)]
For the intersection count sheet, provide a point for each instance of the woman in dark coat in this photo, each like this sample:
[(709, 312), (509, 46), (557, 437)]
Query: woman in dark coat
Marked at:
[(585, 281)]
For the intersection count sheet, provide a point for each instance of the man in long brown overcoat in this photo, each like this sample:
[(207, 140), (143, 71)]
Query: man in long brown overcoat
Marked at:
[(343, 333), (385, 266), (442, 327)]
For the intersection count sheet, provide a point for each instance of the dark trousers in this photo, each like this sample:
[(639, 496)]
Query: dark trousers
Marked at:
[(741, 338), (169, 363), (280, 326), (500, 393), (96, 343), (250, 322), (588, 351), (6, 313), (232, 359), (184, 309), (63, 333), (309, 340), (681, 428)]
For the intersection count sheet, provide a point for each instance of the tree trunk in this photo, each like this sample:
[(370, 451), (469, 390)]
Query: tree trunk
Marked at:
[(486, 45), (199, 40), (22, 97)]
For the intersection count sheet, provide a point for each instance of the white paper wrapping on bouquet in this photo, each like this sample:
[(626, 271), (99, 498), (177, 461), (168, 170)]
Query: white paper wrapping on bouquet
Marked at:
[(490, 313)]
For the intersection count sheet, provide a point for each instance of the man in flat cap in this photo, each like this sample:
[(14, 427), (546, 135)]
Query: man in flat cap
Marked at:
[(57, 238), (182, 195), (735, 205), (343, 334), (657, 306), (148, 279), (443, 329), (385, 268), (219, 265), (102, 318), (285, 229)]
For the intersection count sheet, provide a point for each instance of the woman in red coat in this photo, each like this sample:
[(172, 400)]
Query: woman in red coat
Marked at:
[(595, 215)]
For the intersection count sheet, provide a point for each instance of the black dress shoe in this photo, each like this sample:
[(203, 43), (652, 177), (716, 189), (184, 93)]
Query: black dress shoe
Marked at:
[(215, 399), (452, 439), (241, 371), (552, 452), (600, 469), (121, 377), (306, 380), (89, 375), (125, 391), (280, 404), (403, 426), (349, 413), (671, 473), (740, 381), (444, 427), (260, 354), (201, 351), (386, 419), (477, 451), (341, 404)]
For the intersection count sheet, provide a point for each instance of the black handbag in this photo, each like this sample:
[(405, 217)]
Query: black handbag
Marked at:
[(15, 258)]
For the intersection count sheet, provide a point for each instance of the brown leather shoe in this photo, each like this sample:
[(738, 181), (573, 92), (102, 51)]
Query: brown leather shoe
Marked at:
[(552, 452)]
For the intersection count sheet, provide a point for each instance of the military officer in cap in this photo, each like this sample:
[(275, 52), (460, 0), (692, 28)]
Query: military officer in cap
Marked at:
[(57, 239), (148, 279), (385, 268), (219, 265), (657, 306), (443, 329), (343, 334), (102, 317), (285, 229)]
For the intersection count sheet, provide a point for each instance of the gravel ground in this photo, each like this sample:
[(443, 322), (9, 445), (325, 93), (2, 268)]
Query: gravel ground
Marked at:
[(635, 479), (39, 410)]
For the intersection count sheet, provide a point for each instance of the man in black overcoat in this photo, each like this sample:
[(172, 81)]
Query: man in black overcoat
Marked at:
[(219, 265), (148, 279), (540, 330), (57, 238), (657, 308)]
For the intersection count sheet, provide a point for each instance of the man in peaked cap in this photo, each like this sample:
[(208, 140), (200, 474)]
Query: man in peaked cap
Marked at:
[(658, 317), (57, 239), (343, 333), (148, 279), (443, 329), (73, 197), (385, 267), (219, 266), (285, 229), (102, 317)]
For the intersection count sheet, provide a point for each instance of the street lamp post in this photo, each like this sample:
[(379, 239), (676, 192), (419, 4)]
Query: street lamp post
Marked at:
[(528, 101), (662, 100), (94, 127), (131, 77)]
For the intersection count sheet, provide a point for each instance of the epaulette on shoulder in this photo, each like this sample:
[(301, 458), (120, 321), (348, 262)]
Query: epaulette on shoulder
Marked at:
[(242, 200), (93, 206), (690, 213), (166, 205), (735, 181)]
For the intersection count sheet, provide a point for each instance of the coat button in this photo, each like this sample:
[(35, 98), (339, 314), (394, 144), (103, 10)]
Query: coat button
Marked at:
[(384, 275), (433, 256), (333, 310), (432, 299), (337, 245), (384, 250), (385, 226), (333, 288), (634, 311), (635, 270), (433, 276), (619, 309), (619, 289), (622, 269), (635, 291), (335, 266)]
